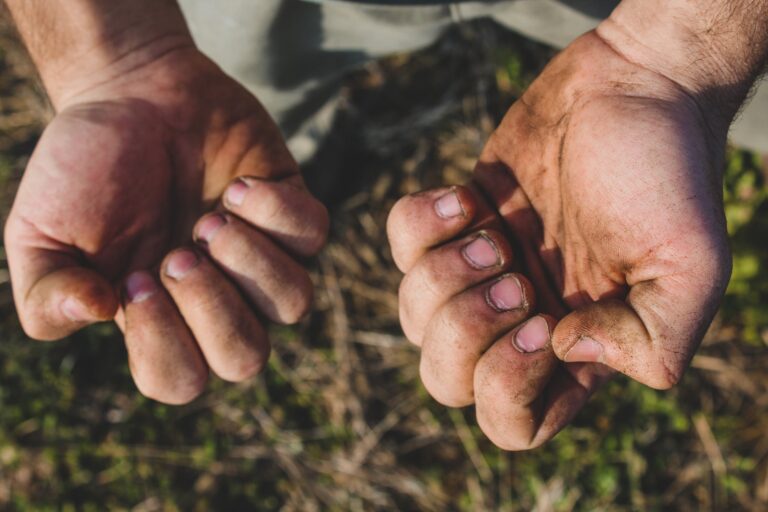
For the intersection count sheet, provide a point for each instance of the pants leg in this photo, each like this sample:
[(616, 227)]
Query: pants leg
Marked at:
[(292, 54), (751, 127)]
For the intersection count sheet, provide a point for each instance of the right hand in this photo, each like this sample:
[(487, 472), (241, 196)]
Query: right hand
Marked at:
[(605, 177), (120, 177)]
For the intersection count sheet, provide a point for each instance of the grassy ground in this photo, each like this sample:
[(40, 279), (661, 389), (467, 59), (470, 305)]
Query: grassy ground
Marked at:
[(339, 421)]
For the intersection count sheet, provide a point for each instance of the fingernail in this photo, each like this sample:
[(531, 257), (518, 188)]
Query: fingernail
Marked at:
[(139, 286), (74, 310), (533, 336), (180, 263), (481, 253), (449, 206), (236, 192), (505, 294), (209, 226), (586, 350)]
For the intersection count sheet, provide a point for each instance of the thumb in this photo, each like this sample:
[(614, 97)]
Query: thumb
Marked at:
[(652, 335), (54, 295)]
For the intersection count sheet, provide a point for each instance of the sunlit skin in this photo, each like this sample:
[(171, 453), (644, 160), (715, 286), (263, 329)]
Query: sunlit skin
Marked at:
[(591, 239), (604, 183), (120, 178)]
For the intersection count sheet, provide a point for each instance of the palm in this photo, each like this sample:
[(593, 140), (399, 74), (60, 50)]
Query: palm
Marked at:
[(113, 199), (113, 192), (607, 176), (144, 170), (638, 197), (602, 182)]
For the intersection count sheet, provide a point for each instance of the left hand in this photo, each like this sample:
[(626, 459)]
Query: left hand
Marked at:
[(122, 177)]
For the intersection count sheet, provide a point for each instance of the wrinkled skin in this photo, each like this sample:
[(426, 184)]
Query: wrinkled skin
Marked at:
[(604, 180), (120, 177)]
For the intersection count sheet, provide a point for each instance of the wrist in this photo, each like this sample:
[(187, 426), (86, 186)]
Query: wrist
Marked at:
[(66, 82), (79, 45), (713, 50)]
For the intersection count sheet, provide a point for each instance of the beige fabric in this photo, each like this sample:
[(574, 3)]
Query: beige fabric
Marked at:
[(292, 53)]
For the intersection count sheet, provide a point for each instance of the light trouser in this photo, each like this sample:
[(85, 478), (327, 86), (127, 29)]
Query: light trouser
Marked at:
[(292, 54)]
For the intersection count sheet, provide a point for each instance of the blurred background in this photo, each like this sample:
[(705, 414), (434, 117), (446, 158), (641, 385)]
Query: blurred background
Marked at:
[(340, 421)]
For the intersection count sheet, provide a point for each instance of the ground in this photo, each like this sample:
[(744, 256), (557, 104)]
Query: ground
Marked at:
[(339, 421)]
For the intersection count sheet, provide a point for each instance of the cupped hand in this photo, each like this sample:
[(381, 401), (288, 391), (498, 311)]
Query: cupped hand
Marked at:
[(604, 181), (103, 223)]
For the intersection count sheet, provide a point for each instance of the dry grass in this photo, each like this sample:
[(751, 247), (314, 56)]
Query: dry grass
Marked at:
[(340, 421)]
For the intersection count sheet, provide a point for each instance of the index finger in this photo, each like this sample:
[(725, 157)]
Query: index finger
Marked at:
[(423, 220), (283, 209)]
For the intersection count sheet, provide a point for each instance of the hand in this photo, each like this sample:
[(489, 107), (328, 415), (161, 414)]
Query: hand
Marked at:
[(606, 179), (121, 177)]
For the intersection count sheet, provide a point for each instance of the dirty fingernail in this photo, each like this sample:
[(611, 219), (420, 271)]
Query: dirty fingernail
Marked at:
[(505, 294), (180, 263), (74, 310), (139, 286), (209, 226), (533, 336), (236, 192), (449, 206), (481, 253), (586, 350)]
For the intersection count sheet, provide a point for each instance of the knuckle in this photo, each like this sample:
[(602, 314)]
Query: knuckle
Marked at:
[(37, 330), (407, 323), (298, 303), (425, 279), (411, 306), (665, 377), (271, 204), (667, 370), (504, 439), (11, 230), (454, 337), (182, 390), (442, 392), (244, 369), (203, 218), (396, 214), (399, 236), (322, 225), (503, 442), (513, 445), (317, 228), (179, 394)]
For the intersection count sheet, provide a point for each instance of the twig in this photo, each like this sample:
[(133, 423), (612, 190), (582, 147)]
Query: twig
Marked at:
[(470, 445)]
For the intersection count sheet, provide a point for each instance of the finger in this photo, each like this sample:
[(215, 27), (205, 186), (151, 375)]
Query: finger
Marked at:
[(510, 381), (463, 329), (165, 361), (652, 335), (421, 221), (446, 271), (537, 260), (231, 338), (567, 393), (278, 286), (512, 426), (54, 294), (283, 209), (254, 147)]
